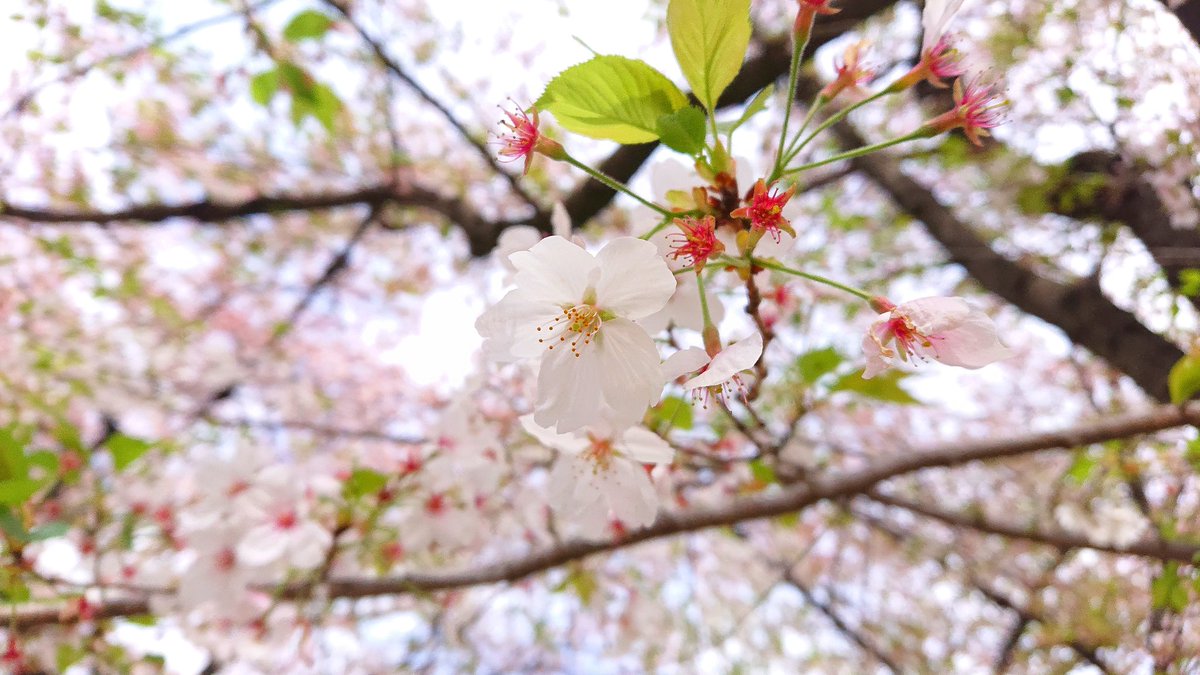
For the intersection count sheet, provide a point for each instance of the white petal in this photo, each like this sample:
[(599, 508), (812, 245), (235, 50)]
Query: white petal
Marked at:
[(972, 344), (630, 494), (645, 446), (683, 362), (634, 280), (516, 238), (509, 328), (554, 270), (876, 363), (560, 221), (732, 360), (933, 316), (261, 546), (683, 309), (571, 443), (569, 395), (935, 18), (629, 372)]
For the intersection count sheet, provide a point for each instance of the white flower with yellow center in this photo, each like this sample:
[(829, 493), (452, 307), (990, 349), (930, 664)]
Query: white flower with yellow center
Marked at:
[(575, 312)]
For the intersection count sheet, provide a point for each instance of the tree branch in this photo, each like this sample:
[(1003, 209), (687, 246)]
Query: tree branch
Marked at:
[(1150, 547), (787, 500), (1080, 309)]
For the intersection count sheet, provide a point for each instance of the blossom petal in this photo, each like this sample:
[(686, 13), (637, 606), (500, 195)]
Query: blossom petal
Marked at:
[(934, 316), (630, 494), (634, 280), (569, 396), (645, 446), (739, 356), (560, 221), (876, 363), (971, 344), (934, 19), (554, 270), (683, 362), (509, 328), (630, 375), (569, 443)]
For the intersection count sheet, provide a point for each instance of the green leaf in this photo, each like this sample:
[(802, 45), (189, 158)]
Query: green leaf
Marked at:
[(1184, 379), (363, 482), (1167, 590), (10, 525), (68, 655), (1083, 467), (581, 582), (674, 413), (48, 531), (309, 24), (612, 97), (755, 106), (882, 387), (683, 130), (263, 86), (709, 38), (762, 472), (1189, 282), (126, 450), (17, 491), (812, 366), (141, 619)]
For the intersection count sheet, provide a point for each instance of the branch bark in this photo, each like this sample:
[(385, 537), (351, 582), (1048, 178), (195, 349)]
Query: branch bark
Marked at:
[(787, 500)]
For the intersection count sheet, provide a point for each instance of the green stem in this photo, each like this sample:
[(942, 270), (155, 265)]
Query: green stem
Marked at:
[(658, 228), (615, 185), (790, 153), (857, 152), (767, 264), (833, 119), (703, 302), (798, 48)]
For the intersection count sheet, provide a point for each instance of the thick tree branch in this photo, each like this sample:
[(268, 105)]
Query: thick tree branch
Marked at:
[(787, 500), (1080, 309)]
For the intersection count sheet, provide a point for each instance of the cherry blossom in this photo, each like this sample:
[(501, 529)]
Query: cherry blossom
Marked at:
[(575, 313), (599, 479), (977, 108), (718, 375), (281, 530), (945, 329), (764, 209), (524, 138)]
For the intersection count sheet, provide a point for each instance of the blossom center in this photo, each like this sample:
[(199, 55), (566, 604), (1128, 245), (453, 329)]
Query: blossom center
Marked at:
[(599, 453), (908, 340), (574, 328)]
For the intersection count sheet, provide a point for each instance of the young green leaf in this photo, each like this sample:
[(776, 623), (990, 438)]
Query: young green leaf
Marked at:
[(126, 449), (755, 106), (307, 25), (709, 38), (884, 387), (683, 130), (612, 97), (264, 85), (1184, 379)]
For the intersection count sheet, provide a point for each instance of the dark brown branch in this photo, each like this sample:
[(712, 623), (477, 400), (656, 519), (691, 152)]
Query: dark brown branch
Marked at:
[(763, 505), (1080, 309)]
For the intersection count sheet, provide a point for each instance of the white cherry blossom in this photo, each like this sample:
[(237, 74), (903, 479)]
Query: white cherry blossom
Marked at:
[(599, 479), (717, 375), (575, 312), (944, 329), (935, 18)]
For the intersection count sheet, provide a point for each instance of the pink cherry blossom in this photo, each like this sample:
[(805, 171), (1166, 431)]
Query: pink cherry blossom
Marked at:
[(599, 480), (575, 313), (944, 329)]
